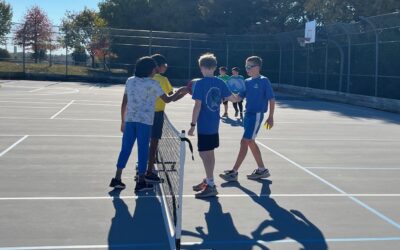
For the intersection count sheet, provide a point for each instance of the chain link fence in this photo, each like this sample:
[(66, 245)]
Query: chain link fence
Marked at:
[(360, 57)]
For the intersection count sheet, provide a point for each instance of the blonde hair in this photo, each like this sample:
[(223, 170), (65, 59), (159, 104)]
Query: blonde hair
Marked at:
[(208, 61), (255, 59)]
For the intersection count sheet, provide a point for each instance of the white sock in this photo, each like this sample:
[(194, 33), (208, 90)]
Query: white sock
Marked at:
[(210, 182), (261, 169)]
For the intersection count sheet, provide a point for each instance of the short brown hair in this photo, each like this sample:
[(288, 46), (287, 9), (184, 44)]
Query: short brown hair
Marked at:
[(208, 61), (255, 59)]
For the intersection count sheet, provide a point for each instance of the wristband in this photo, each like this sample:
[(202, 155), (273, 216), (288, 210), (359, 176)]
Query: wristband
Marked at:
[(192, 125)]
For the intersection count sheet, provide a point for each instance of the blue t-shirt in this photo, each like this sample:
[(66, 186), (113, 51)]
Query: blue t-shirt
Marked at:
[(258, 92), (210, 91)]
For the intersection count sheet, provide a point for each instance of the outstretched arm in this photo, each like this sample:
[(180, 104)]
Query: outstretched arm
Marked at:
[(176, 96)]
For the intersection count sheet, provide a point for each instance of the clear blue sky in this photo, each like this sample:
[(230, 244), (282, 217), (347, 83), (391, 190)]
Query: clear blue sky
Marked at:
[(55, 9)]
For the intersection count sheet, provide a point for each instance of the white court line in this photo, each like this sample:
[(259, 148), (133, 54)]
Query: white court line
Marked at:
[(13, 146), (50, 99), (328, 139), (65, 107), (191, 137), (76, 103), (27, 107), (36, 90), (33, 102), (352, 168), (54, 135), (187, 196), (374, 211), (192, 243), (268, 243)]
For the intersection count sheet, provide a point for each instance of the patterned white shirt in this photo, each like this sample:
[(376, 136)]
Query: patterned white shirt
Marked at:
[(142, 94)]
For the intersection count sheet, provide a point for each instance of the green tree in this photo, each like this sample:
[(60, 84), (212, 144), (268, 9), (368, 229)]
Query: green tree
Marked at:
[(5, 20), (79, 55), (84, 29), (348, 10)]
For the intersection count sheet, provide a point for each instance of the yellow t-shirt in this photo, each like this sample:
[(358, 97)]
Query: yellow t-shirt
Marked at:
[(166, 87)]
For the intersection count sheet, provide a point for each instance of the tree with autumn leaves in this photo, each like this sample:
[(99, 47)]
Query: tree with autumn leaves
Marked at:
[(35, 33)]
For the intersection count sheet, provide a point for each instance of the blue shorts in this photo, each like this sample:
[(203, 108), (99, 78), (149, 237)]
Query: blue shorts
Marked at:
[(156, 131), (252, 123)]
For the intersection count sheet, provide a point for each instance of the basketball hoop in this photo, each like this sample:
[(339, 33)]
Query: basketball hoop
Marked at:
[(303, 41)]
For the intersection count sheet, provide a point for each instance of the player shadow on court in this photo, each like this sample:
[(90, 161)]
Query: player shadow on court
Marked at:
[(143, 230), (222, 233), (232, 122), (284, 224)]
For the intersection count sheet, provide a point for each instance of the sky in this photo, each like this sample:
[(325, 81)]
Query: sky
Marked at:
[(55, 9)]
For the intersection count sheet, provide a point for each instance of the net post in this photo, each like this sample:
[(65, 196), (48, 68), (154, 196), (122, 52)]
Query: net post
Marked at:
[(178, 227)]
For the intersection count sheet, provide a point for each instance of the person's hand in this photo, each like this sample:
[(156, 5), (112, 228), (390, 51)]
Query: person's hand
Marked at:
[(270, 122), (191, 131), (122, 127)]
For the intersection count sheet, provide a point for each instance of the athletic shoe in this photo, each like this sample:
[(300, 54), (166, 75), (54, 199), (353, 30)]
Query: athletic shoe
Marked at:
[(236, 113), (259, 174), (229, 175), (117, 184), (152, 178), (200, 187), (143, 186), (225, 115), (209, 191)]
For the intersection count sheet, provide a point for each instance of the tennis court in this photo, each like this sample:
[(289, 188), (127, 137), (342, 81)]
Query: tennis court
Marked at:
[(335, 177)]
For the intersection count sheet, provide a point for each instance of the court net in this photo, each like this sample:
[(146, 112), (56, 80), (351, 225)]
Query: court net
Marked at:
[(170, 165)]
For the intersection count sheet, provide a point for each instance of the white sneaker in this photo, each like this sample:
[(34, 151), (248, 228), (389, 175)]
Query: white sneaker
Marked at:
[(259, 174)]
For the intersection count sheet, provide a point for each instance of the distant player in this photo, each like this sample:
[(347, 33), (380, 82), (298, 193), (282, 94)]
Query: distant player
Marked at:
[(236, 85), (224, 77), (258, 95)]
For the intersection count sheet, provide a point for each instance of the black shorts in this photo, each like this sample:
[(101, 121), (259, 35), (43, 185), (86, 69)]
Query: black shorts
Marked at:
[(207, 142), (156, 131)]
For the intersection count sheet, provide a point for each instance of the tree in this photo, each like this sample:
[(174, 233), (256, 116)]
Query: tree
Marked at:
[(5, 20), (35, 32), (79, 55), (348, 10), (86, 29)]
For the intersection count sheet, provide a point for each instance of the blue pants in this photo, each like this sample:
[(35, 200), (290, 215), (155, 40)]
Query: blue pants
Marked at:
[(132, 131)]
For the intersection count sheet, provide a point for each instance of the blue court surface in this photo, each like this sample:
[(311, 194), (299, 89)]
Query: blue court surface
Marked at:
[(334, 177)]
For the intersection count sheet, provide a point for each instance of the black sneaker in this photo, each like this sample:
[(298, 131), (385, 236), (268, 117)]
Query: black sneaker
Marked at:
[(153, 178), (143, 186), (117, 184)]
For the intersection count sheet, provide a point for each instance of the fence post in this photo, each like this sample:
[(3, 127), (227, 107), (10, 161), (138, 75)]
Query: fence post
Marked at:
[(280, 63), (292, 62), (376, 52), (190, 58), (227, 54), (150, 42), (23, 51), (326, 64), (308, 67)]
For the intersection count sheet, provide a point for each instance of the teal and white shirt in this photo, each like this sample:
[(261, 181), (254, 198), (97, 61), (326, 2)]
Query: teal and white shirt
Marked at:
[(142, 94)]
